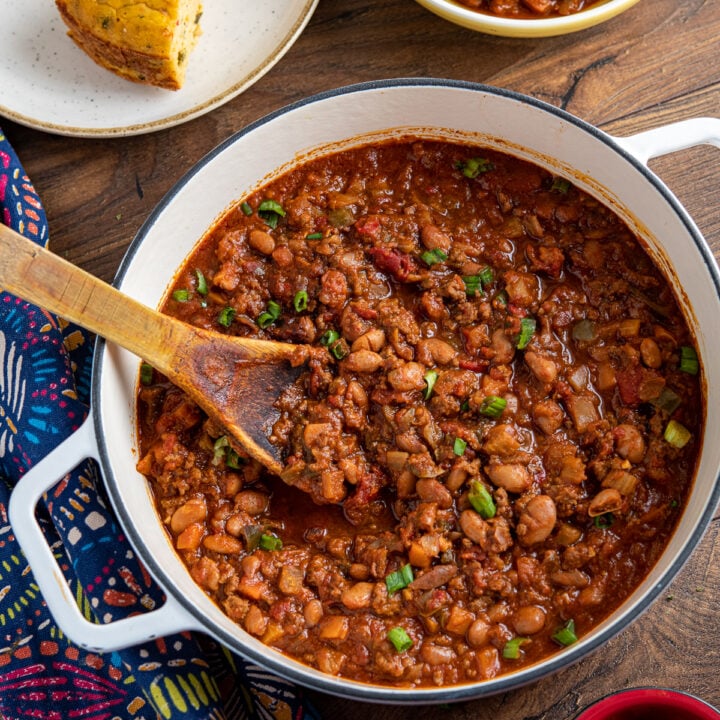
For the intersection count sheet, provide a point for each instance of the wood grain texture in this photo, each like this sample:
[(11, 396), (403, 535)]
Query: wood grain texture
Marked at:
[(656, 63)]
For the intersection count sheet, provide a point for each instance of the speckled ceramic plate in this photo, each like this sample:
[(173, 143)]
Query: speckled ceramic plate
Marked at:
[(47, 82)]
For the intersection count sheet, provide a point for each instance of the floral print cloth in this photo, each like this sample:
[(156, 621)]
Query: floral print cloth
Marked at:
[(44, 390)]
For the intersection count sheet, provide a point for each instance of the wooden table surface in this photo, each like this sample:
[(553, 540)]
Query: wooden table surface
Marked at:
[(656, 63)]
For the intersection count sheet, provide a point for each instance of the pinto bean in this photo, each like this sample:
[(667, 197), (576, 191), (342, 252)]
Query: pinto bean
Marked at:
[(252, 502), (434, 654), (363, 361), (192, 511), (528, 620), (650, 353), (434, 351), (503, 347), (334, 289), (629, 443), (435, 239), (478, 633), (223, 543), (513, 477), (474, 526), (313, 612), (432, 490), (543, 368), (358, 596), (537, 519), (408, 376), (607, 500), (255, 621), (373, 339), (261, 241)]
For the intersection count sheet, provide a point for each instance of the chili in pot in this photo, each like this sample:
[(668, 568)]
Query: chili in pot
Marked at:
[(493, 439)]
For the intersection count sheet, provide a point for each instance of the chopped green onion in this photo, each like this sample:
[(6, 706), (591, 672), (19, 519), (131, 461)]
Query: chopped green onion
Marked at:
[(431, 257), (676, 434), (431, 377), (334, 343), (481, 500), (474, 166), (329, 337), (560, 185), (339, 350), (270, 542), (511, 651), (400, 639), (181, 295), (226, 316), (399, 579), (689, 360), (146, 373), (459, 446), (527, 328), (202, 286), (269, 315), (473, 285), (486, 275), (604, 521), (232, 459), (314, 236), (265, 319), (300, 301), (493, 406), (245, 207), (668, 401), (271, 212), (566, 634), (501, 299), (220, 448)]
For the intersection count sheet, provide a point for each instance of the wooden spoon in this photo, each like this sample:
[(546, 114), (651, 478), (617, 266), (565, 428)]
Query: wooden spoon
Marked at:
[(234, 380)]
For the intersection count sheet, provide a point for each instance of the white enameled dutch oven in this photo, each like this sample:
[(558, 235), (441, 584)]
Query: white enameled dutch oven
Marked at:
[(613, 169)]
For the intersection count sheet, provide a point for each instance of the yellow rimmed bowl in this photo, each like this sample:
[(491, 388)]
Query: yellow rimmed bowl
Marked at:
[(460, 14)]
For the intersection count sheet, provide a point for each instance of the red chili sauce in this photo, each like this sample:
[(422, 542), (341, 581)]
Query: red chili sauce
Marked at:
[(492, 440), (528, 9)]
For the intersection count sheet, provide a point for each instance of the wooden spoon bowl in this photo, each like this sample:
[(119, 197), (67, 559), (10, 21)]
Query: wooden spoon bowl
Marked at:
[(236, 381)]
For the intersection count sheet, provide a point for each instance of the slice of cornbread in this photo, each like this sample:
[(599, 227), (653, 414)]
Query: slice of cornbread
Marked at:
[(146, 42)]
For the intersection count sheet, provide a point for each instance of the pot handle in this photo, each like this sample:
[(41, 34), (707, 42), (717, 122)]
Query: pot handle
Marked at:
[(670, 138), (169, 618)]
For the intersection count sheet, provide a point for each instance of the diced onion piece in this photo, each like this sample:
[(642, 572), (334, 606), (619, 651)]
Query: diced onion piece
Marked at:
[(676, 434), (668, 401), (583, 331)]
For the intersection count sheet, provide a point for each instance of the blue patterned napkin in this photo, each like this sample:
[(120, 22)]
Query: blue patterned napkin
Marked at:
[(44, 391)]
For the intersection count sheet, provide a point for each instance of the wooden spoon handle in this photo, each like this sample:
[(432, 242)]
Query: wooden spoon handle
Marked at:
[(45, 279)]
